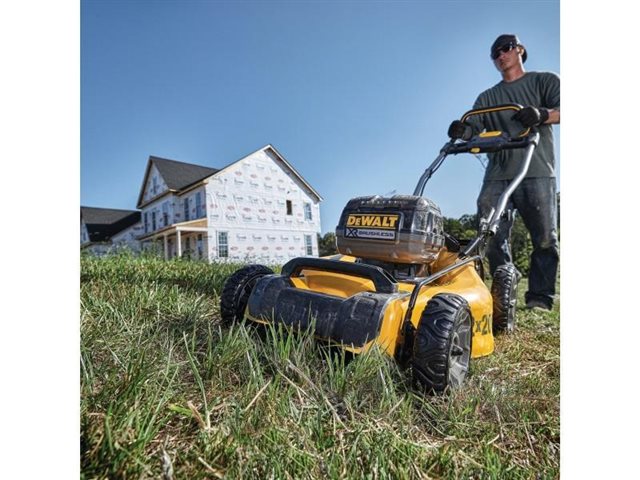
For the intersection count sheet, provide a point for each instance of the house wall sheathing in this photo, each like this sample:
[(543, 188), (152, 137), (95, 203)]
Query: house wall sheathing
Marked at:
[(248, 200)]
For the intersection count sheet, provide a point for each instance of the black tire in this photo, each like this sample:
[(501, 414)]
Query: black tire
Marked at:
[(236, 291), (504, 291), (442, 345)]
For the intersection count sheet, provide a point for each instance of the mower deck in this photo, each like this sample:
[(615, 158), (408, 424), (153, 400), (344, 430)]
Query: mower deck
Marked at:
[(351, 311)]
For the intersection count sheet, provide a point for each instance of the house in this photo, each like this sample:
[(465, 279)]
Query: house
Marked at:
[(258, 208), (103, 229)]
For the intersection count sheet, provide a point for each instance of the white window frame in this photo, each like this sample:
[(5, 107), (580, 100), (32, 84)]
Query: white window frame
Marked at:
[(223, 247), (308, 244), (165, 213), (199, 245), (308, 215), (199, 206)]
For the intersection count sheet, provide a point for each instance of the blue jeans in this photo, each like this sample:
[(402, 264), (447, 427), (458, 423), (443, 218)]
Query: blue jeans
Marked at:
[(535, 201)]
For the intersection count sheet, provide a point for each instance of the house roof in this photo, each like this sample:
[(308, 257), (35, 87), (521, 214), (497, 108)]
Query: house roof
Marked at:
[(180, 175), (177, 175), (104, 223)]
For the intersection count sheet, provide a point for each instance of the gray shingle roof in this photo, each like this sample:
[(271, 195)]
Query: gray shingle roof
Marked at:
[(179, 175), (104, 223)]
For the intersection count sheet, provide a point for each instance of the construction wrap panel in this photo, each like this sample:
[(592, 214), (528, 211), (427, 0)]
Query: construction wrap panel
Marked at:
[(128, 236), (352, 321), (267, 214)]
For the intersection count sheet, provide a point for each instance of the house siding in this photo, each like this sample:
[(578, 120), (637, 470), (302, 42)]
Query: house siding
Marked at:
[(157, 207), (155, 185), (249, 201), (84, 233), (129, 237)]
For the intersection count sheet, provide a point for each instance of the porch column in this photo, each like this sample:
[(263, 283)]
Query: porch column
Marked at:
[(166, 247), (178, 244)]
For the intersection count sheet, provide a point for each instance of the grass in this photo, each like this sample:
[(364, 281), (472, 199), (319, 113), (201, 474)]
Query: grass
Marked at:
[(166, 392)]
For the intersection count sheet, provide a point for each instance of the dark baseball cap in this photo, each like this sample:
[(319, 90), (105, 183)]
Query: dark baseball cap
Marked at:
[(506, 39)]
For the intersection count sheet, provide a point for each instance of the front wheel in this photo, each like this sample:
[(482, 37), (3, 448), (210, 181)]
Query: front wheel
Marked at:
[(236, 291), (442, 345)]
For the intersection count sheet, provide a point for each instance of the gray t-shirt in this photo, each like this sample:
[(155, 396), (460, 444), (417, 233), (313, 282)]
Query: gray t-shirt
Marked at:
[(537, 89)]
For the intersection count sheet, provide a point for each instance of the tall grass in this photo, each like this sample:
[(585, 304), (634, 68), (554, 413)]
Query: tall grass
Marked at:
[(166, 392)]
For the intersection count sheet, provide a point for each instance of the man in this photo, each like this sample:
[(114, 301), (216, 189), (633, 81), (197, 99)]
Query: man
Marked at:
[(535, 197)]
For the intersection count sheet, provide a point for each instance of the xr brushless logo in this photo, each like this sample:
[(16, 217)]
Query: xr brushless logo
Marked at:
[(376, 227)]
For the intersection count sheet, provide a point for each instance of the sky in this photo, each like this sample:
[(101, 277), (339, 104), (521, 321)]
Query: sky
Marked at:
[(357, 96)]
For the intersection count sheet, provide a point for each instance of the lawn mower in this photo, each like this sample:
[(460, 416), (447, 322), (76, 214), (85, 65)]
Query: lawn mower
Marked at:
[(399, 281)]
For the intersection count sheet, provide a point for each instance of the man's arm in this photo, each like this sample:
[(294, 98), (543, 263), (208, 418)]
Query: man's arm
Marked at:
[(554, 116)]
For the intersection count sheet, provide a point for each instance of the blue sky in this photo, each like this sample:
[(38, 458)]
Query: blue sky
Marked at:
[(356, 95)]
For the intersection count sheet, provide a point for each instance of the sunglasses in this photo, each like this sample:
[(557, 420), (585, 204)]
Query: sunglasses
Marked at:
[(503, 49)]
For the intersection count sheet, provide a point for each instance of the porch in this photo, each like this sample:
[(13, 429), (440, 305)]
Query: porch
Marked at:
[(187, 239)]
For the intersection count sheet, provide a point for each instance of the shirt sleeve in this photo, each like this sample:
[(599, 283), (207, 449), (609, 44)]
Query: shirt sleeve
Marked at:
[(551, 91)]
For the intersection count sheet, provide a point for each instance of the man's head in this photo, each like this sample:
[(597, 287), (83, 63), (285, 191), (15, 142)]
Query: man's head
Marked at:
[(505, 43), (508, 55)]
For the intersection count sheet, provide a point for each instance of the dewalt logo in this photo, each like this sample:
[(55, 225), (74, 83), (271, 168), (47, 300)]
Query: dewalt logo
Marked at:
[(387, 222)]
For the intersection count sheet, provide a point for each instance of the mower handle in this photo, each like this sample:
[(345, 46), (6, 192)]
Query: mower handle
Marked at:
[(485, 142), (495, 142)]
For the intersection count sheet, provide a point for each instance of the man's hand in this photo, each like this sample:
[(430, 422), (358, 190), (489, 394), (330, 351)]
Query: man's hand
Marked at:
[(459, 129), (531, 116)]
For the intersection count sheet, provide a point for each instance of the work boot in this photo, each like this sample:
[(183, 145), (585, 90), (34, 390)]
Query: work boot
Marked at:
[(538, 304)]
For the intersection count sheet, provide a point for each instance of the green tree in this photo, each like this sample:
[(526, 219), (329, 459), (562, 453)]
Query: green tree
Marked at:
[(327, 244), (466, 228)]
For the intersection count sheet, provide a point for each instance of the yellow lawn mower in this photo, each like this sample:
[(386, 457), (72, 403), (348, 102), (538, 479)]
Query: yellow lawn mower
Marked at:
[(399, 281)]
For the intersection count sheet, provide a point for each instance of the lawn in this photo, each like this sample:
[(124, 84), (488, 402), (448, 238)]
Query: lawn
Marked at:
[(167, 392)]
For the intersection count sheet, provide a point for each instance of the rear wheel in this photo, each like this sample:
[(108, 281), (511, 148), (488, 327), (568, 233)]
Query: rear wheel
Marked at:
[(504, 291), (442, 345), (236, 291)]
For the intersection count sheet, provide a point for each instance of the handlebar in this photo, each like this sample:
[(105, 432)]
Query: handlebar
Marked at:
[(493, 141), (490, 143), (485, 142)]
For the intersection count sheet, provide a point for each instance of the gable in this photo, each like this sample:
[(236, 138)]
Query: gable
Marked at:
[(279, 160), (170, 176), (155, 184), (269, 154)]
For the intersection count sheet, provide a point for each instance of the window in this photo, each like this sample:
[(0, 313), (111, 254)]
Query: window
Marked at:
[(223, 244), (199, 205), (289, 208), (186, 209), (199, 245), (187, 248), (146, 222), (307, 211), (165, 213), (154, 188), (308, 245), (153, 220)]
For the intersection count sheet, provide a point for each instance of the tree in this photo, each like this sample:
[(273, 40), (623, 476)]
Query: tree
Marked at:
[(466, 228), (327, 244)]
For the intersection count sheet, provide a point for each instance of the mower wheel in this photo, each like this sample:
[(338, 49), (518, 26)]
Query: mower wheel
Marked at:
[(504, 291), (442, 345), (236, 291)]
